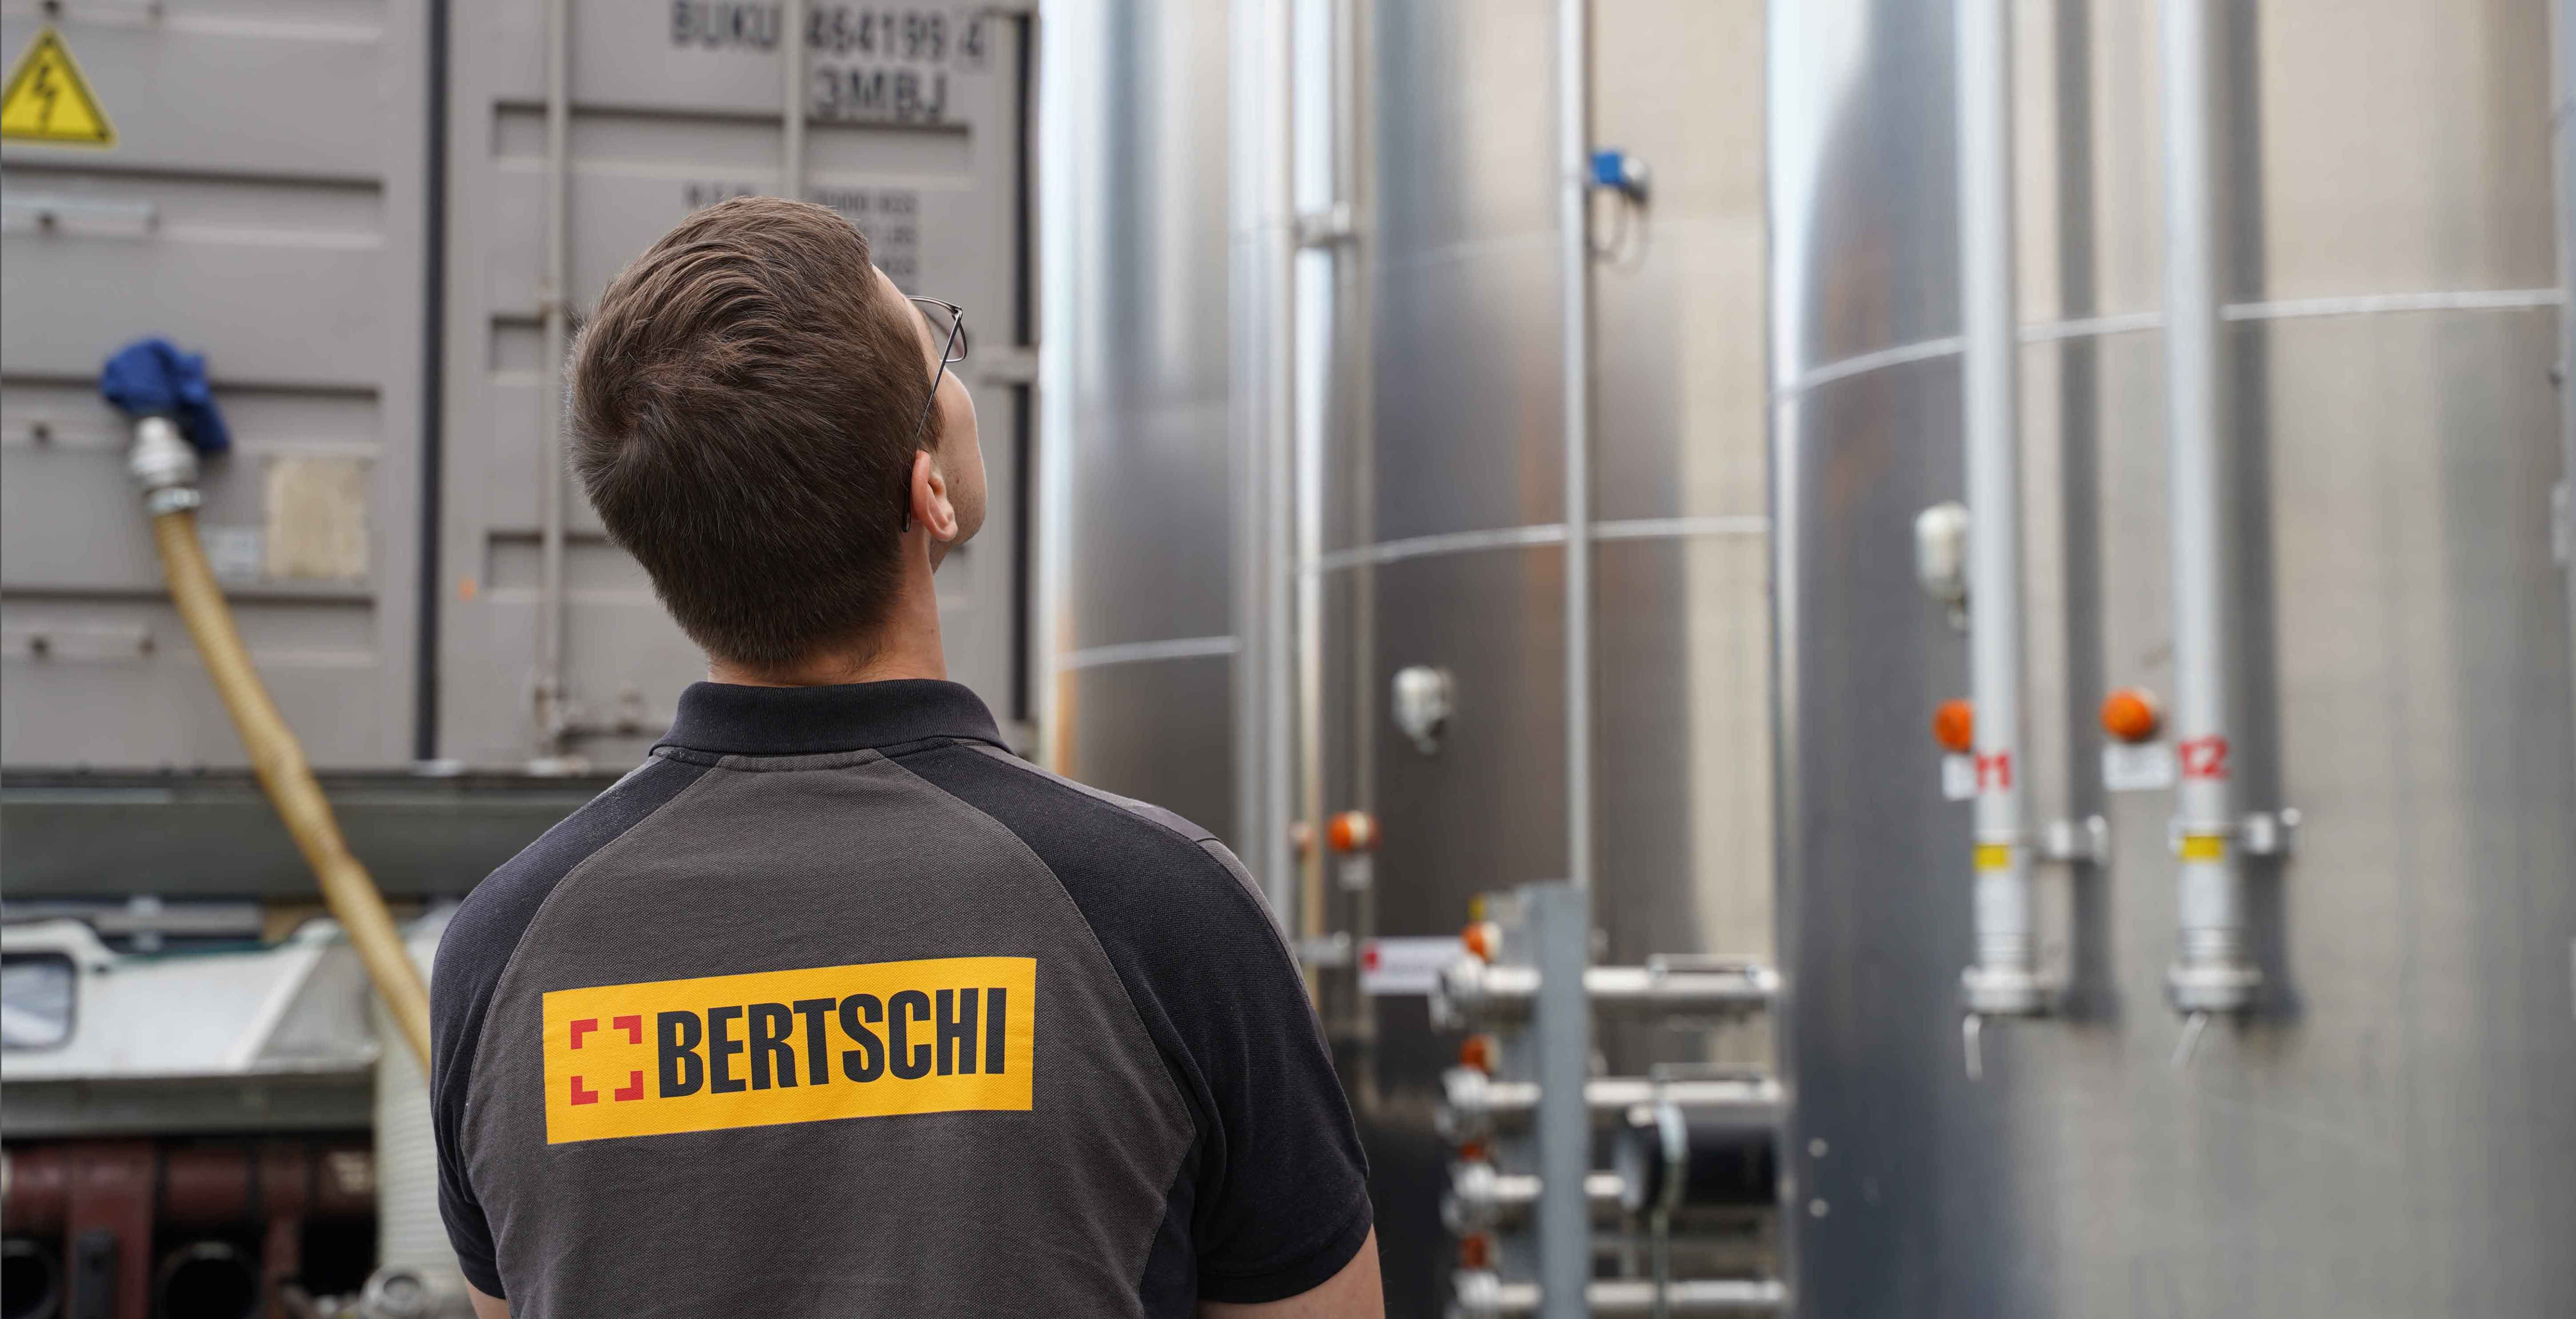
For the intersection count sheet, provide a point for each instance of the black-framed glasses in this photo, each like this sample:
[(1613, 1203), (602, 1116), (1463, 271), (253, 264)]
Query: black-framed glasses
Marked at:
[(954, 352)]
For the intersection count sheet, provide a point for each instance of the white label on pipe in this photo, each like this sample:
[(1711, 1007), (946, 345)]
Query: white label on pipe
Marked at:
[(1958, 778), (1355, 873), (1406, 966), (2137, 767)]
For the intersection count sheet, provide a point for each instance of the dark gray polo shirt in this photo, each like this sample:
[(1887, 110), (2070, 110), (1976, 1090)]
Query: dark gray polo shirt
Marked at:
[(836, 1007)]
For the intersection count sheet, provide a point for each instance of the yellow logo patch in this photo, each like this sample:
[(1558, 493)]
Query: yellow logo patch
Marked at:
[(871, 1039)]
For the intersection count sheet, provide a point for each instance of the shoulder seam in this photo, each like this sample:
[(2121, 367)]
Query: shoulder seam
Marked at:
[(1233, 884), (1073, 908), (1106, 798), (1199, 843)]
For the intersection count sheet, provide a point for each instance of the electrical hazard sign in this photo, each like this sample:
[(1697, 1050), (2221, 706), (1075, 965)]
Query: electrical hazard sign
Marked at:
[(49, 101)]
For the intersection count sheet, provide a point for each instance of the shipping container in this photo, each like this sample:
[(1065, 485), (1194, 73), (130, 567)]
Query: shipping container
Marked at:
[(357, 216), (263, 203)]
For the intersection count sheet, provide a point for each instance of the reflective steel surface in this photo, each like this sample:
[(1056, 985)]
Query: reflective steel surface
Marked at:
[(1134, 462), (2389, 1132), (1456, 245), (1466, 442)]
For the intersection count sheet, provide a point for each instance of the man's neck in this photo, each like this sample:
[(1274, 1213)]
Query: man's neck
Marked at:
[(907, 645)]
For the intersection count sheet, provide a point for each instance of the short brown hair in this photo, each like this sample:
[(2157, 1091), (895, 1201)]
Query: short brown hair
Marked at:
[(742, 416)]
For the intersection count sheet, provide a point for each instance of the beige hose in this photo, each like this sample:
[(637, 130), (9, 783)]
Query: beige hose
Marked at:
[(279, 761)]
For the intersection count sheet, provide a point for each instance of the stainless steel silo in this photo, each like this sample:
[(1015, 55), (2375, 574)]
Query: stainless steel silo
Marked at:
[(1137, 615), (1406, 506), (1447, 520), (2377, 1119)]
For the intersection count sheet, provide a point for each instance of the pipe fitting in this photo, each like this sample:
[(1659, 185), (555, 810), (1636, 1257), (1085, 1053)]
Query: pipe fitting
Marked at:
[(404, 1291), (1482, 1294), (2219, 984), (161, 458), (1473, 991), (1482, 1198), (1473, 1104), (2005, 987)]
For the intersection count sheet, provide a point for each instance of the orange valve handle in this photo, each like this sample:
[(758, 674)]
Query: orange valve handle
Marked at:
[(2132, 715), (1353, 831), (1477, 1052)]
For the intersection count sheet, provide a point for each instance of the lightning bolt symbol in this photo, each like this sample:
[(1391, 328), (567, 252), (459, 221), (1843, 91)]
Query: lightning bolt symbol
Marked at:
[(45, 92)]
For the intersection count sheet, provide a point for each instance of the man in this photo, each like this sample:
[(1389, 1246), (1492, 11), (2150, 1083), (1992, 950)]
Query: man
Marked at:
[(834, 1007)]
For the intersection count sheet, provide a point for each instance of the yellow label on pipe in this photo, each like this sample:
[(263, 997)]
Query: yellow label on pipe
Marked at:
[(1994, 856), (2204, 847)]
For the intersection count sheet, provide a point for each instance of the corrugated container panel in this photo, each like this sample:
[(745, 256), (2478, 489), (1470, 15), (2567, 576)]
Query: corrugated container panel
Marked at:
[(914, 132), (262, 204)]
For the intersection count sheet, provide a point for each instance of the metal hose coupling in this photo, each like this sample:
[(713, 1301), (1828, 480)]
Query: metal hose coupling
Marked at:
[(164, 464)]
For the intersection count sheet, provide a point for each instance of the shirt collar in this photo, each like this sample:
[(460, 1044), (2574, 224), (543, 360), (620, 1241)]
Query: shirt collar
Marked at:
[(730, 719)]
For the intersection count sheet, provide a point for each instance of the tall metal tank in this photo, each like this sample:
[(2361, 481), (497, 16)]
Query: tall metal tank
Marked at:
[(1421, 482), (1137, 621), (1445, 541), (2384, 1126)]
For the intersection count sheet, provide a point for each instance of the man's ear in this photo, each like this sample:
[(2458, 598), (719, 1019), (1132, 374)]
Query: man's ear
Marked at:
[(930, 506)]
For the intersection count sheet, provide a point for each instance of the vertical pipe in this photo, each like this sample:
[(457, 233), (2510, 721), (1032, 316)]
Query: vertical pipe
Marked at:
[(1068, 47), (2004, 978), (1316, 320), (2562, 40), (1277, 165), (553, 295), (1574, 261), (1355, 174), (791, 99), (1246, 354), (1561, 915), (1264, 313), (433, 391), (2212, 972), (1559, 920)]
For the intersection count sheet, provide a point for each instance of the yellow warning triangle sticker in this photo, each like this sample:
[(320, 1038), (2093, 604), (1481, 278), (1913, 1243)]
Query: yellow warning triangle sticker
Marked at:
[(49, 101)]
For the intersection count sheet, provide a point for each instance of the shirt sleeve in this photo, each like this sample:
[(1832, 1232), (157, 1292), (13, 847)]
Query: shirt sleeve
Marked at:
[(1272, 1198), (456, 1019), (475, 949), (1282, 1196)]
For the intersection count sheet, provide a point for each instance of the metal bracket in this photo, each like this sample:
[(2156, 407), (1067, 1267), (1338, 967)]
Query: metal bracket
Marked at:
[(2260, 833), (1325, 950), (2562, 524), (1326, 227), (2079, 842), (172, 499)]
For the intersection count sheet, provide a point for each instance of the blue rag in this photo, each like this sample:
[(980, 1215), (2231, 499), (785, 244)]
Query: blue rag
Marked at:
[(151, 377)]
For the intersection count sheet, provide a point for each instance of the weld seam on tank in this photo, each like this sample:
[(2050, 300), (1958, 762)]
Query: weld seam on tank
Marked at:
[(2141, 322), (2005, 979), (1146, 652), (1536, 534)]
